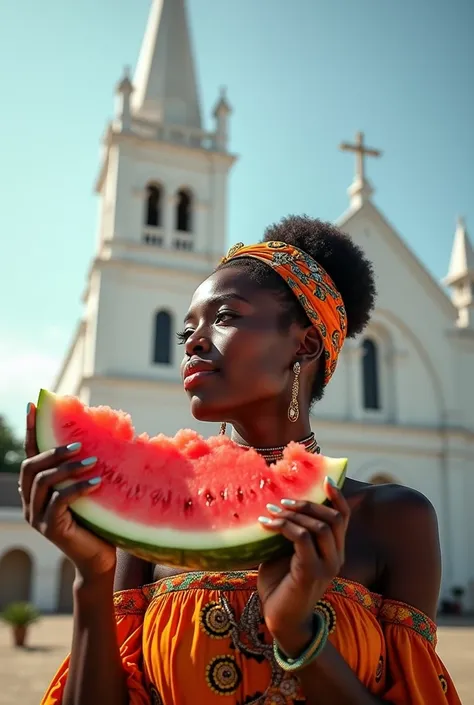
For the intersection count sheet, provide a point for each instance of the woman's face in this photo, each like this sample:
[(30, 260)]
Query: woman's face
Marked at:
[(237, 358)]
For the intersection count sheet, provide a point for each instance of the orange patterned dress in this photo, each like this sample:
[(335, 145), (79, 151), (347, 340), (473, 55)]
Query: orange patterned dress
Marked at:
[(200, 639)]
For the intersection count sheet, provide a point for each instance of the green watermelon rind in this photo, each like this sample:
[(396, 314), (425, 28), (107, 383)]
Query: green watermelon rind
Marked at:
[(235, 548), (238, 557)]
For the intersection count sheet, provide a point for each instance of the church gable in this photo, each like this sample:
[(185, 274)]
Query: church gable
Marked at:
[(400, 370), (405, 287), (404, 369)]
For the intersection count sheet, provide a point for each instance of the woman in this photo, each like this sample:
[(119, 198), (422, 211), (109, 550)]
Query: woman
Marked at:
[(349, 617)]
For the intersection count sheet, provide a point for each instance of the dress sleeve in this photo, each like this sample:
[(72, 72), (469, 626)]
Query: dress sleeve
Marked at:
[(415, 675), (130, 606)]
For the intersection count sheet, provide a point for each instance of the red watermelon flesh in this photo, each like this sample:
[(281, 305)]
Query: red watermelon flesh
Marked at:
[(185, 500)]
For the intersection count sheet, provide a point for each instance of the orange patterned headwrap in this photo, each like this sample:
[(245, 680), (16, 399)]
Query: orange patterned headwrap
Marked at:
[(312, 286)]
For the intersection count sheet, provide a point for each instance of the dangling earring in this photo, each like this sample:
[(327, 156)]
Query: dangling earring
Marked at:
[(294, 409), (223, 428)]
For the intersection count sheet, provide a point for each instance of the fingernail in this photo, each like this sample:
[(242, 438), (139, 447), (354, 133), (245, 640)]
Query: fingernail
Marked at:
[(332, 482), (89, 461), (95, 481), (288, 502), (265, 520), (72, 447), (273, 508), (28, 408)]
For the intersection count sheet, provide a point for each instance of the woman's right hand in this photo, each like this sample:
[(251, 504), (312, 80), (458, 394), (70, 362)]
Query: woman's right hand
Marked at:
[(47, 509)]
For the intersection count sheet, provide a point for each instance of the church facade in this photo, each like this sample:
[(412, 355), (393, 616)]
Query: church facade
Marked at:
[(401, 404)]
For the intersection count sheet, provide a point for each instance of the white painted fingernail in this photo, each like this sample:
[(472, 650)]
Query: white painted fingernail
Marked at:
[(72, 447), (88, 461), (288, 502), (274, 509), (95, 481), (332, 482), (265, 520)]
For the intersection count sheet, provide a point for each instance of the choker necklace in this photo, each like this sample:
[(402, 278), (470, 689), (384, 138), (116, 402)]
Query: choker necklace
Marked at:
[(272, 455)]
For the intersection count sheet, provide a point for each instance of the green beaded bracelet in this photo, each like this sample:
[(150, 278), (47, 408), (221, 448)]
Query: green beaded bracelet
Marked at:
[(321, 633)]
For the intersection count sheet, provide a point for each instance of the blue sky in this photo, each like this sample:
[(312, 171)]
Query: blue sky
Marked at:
[(301, 75)]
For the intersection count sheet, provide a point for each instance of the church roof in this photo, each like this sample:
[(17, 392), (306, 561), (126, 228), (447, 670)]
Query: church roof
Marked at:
[(165, 87), (399, 245)]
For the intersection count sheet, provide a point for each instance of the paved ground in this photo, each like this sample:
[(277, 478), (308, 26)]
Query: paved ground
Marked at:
[(24, 674)]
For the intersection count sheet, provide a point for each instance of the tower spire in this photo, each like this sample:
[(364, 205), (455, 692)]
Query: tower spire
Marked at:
[(165, 88), (460, 276)]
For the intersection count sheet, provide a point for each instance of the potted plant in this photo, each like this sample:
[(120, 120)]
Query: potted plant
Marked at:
[(20, 615)]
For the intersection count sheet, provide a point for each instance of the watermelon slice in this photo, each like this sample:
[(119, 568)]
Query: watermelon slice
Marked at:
[(182, 501)]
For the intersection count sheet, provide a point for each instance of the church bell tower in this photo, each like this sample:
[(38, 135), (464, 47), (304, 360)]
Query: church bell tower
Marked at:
[(162, 186)]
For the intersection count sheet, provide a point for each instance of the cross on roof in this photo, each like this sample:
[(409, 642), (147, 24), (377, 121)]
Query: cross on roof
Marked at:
[(361, 151)]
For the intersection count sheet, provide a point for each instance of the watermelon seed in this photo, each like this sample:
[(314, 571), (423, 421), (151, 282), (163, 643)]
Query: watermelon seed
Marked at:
[(236, 516), (188, 505), (224, 493), (209, 498), (108, 473), (134, 492), (155, 497), (240, 495)]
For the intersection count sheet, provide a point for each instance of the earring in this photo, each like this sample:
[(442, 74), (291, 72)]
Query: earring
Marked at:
[(294, 409), (223, 428)]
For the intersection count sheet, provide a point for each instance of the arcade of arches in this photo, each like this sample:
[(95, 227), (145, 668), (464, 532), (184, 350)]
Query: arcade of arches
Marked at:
[(16, 580)]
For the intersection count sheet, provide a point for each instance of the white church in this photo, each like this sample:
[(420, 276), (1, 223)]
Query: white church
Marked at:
[(401, 404)]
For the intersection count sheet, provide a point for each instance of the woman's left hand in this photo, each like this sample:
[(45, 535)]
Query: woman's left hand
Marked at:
[(289, 588)]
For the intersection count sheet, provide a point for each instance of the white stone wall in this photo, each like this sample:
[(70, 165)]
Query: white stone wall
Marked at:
[(130, 298), (15, 533), (73, 367), (154, 407)]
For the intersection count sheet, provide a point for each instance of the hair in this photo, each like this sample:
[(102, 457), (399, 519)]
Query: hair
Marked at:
[(343, 260)]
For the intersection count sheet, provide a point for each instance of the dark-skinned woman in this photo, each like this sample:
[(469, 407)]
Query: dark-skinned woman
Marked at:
[(348, 619)]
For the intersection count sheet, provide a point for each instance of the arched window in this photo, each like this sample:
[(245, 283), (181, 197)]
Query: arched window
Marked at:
[(184, 206), (154, 206), (162, 338), (370, 375)]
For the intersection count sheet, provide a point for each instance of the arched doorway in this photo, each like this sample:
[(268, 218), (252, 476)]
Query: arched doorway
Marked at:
[(16, 572), (382, 478), (66, 579)]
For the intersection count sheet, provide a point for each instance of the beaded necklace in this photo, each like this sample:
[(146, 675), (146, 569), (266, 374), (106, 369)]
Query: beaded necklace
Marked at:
[(273, 455)]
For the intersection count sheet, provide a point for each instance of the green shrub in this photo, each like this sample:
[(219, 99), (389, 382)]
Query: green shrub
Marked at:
[(20, 614)]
